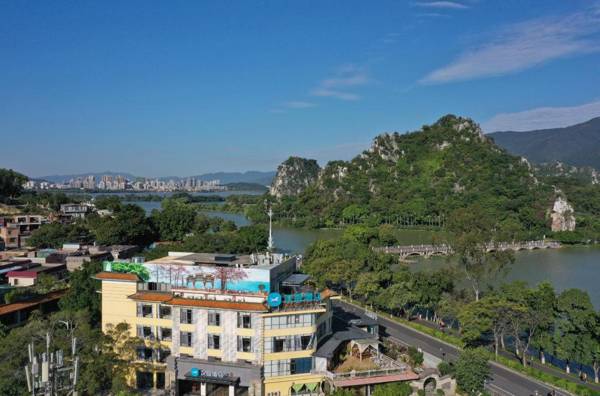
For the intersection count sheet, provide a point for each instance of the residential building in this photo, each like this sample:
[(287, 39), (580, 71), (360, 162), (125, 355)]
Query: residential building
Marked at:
[(219, 324), (15, 230), (75, 210)]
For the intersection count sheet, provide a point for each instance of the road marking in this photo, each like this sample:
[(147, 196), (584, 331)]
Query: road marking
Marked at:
[(501, 390)]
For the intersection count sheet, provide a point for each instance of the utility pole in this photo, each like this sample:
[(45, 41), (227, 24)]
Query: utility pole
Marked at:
[(49, 373)]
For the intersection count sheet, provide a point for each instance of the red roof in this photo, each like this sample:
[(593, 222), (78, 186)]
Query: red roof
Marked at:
[(22, 274), (117, 276), (359, 381)]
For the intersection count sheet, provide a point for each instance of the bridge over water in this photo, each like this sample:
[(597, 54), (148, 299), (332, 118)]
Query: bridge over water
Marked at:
[(445, 250)]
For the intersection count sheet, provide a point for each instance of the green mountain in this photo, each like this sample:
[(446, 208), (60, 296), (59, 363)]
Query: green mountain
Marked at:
[(577, 145), (417, 178)]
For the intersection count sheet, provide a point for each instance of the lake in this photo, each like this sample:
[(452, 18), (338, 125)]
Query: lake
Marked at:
[(565, 268)]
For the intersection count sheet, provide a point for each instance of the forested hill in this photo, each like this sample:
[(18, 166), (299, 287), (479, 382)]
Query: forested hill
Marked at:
[(424, 176), (577, 145)]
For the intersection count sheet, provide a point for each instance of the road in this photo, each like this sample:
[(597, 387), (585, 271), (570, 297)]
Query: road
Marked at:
[(503, 382)]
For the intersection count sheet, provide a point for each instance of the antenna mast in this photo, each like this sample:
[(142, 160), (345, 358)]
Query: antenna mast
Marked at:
[(270, 245)]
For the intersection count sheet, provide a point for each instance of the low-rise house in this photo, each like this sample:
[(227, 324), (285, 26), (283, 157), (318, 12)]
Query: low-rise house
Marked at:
[(29, 276), (76, 210), (15, 230)]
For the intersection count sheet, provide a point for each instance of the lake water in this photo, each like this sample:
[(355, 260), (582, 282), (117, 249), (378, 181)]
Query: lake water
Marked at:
[(565, 268)]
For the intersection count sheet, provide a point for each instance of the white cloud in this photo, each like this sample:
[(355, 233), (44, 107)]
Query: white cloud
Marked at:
[(441, 4), (298, 104), (522, 46), (340, 85), (542, 118)]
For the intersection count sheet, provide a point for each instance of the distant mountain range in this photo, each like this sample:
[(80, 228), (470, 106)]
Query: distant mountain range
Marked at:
[(577, 145), (254, 177)]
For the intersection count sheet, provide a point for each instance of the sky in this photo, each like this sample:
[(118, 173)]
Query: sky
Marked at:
[(189, 87)]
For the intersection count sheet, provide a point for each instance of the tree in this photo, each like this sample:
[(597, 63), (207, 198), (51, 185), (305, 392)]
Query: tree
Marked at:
[(128, 226), (82, 293), (474, 242), (108, 202), (491, 314), (393, 389), (54, 235), (574, 327), (472, 370), (415, 357), (534, 316), (11, 184), (175, 219)]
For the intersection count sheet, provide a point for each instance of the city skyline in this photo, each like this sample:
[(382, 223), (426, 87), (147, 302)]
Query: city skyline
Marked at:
[(277, 79)]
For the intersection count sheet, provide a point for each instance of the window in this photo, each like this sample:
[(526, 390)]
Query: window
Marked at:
[(287, 321), (185, 316), (145, 332), (164, 312), (144, 380), (144, 354), (214, 341), (214, 318), (165, 333), (279, 344), (144, 310), (185, 339), (275, 368), (299, 342), (244, 344), (244, 320), (301, 366)]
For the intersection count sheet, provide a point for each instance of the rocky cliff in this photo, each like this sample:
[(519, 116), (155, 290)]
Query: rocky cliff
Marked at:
[(562, 214), (293, 176)]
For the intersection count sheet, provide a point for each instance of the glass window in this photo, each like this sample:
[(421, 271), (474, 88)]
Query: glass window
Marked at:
[(214, 341), (144, 354), (164, 312), (165, 334), (185, 316), (301, 366), (244, 320), (244, 344), (144, 310), (214, 318), (185, 338), (275, 368), (144, 332), (287, 321)]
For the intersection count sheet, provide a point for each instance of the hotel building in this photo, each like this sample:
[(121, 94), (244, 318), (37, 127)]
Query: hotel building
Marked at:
[(219, 324)]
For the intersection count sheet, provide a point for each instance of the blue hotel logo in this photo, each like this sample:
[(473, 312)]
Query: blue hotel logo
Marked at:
[(274, 299), (195, 372)]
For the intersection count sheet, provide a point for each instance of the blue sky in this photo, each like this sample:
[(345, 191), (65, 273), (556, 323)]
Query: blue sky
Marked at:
[(187, 87)]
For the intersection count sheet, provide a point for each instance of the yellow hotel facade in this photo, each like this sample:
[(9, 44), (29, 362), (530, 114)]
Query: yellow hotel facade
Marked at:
[(220, 325)]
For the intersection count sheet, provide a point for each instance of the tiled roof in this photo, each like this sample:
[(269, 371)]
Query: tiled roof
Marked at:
[(327, 293), (169, 299), (151, 296), (9, 308), (237, 306), (117, 276), (22, 274)]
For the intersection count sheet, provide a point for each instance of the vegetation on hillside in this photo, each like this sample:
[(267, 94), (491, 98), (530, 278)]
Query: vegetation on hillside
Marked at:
[(421, 178)]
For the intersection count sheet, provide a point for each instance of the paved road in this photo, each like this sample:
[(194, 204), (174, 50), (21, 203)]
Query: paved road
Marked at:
[(503, 382)]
